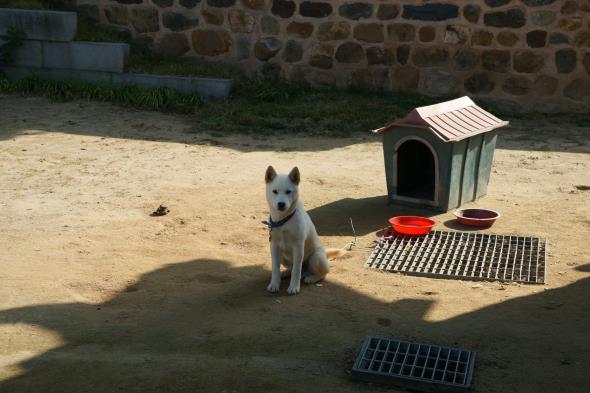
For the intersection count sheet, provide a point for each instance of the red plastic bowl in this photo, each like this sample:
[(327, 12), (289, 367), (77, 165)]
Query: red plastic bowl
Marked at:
[(477, 217), (411, 225)]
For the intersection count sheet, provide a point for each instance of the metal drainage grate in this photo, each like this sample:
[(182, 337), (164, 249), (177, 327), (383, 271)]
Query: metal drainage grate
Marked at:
[(413, 365), (471, 256)]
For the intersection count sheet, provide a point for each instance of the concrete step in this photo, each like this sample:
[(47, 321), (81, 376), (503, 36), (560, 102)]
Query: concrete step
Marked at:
[(89, 56), (40, 25)]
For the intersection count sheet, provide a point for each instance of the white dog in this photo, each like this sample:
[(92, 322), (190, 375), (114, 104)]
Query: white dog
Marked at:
[(294, 242)]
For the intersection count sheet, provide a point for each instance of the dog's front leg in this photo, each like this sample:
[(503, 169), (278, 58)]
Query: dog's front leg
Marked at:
[(296, 270), (275, 279)]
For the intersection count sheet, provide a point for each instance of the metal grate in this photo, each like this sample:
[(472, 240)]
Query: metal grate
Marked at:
[(413, 365), (471, 256)]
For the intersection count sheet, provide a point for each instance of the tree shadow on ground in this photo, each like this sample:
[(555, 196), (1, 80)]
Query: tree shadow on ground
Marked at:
[(111, 121), (368, 215), (203, 326)]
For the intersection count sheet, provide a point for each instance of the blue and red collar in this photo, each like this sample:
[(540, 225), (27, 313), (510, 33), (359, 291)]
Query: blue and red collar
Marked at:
[(276, 224)]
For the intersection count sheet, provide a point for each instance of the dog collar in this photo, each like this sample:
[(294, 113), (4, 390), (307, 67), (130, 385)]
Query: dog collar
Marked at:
[(276, 224)]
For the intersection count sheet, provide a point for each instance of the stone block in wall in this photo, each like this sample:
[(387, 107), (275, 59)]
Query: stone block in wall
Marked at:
[(321, 56), (536, 38), (405, 78), (369, 32), (144, 19), (471, 12), (437, 82), (430, 56), (30, 54), (269, 25), (466, 59), (90, 56), (241, 21), (221, 3), (582, 39), (517, 85), (349, 52), (333, 31), (373, 78), (173, 45), (479, 83), (537, 3), (293, 52), (163, 3), (496, 60), (401, 32), (267, 48), (558, 39), (565, 60), (356, 10), (283, 8), (507, 38), (496, 3), (212, 16), (529, 62), (315, 9), (300, 29), (178, 21), (430, 12), (578, 89), (40, 25), (586, 63), (243, 46), (402, 54), (253, 4), (512, 18), (378, 55), (427, 34), (457, 34), (189, 3), (387, 11), (545, 85), (482, 38), (543, 17), (117, 15), (211, 42)]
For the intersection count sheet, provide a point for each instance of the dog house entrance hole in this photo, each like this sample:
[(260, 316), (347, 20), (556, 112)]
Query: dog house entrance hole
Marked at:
[(415, 171)]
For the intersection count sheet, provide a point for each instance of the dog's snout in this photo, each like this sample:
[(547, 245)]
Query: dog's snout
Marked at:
[(281, 206)]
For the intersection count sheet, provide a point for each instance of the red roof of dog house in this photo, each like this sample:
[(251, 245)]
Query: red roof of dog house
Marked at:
[(451, 121)]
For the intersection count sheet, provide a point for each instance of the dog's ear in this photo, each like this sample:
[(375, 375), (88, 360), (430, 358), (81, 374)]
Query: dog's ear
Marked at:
[(270, 174), (295, 176)]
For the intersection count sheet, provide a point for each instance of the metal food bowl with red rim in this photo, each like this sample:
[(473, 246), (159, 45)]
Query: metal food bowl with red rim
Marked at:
[(477, 217), (411, 225)]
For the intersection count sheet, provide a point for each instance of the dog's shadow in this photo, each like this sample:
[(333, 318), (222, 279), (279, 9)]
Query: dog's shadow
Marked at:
[(367, 214)]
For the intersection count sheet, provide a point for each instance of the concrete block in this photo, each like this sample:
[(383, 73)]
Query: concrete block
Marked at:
[(99, 56), (40, 24), (17, 72), (212, 88), (88, 56), (57, 55), (28, 55)]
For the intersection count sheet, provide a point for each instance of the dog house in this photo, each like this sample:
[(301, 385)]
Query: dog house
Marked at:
[(440, 156)]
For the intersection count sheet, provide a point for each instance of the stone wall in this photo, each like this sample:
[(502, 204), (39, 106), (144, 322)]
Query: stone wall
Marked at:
[(522, 54)]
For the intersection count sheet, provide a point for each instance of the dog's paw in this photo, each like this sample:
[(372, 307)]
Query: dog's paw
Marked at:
[(293, 289), (273, 287)]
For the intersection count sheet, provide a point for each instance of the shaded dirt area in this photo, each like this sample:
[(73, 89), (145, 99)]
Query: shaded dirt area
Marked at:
[(98, 296)]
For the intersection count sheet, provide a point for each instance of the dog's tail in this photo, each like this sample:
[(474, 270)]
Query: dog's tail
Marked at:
[(335, 252)]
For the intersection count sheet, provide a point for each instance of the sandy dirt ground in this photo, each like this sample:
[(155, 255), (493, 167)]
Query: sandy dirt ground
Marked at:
[(97, 296)]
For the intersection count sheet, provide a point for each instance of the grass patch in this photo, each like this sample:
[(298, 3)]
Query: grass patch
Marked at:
[(160, 99), (271, 107)]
